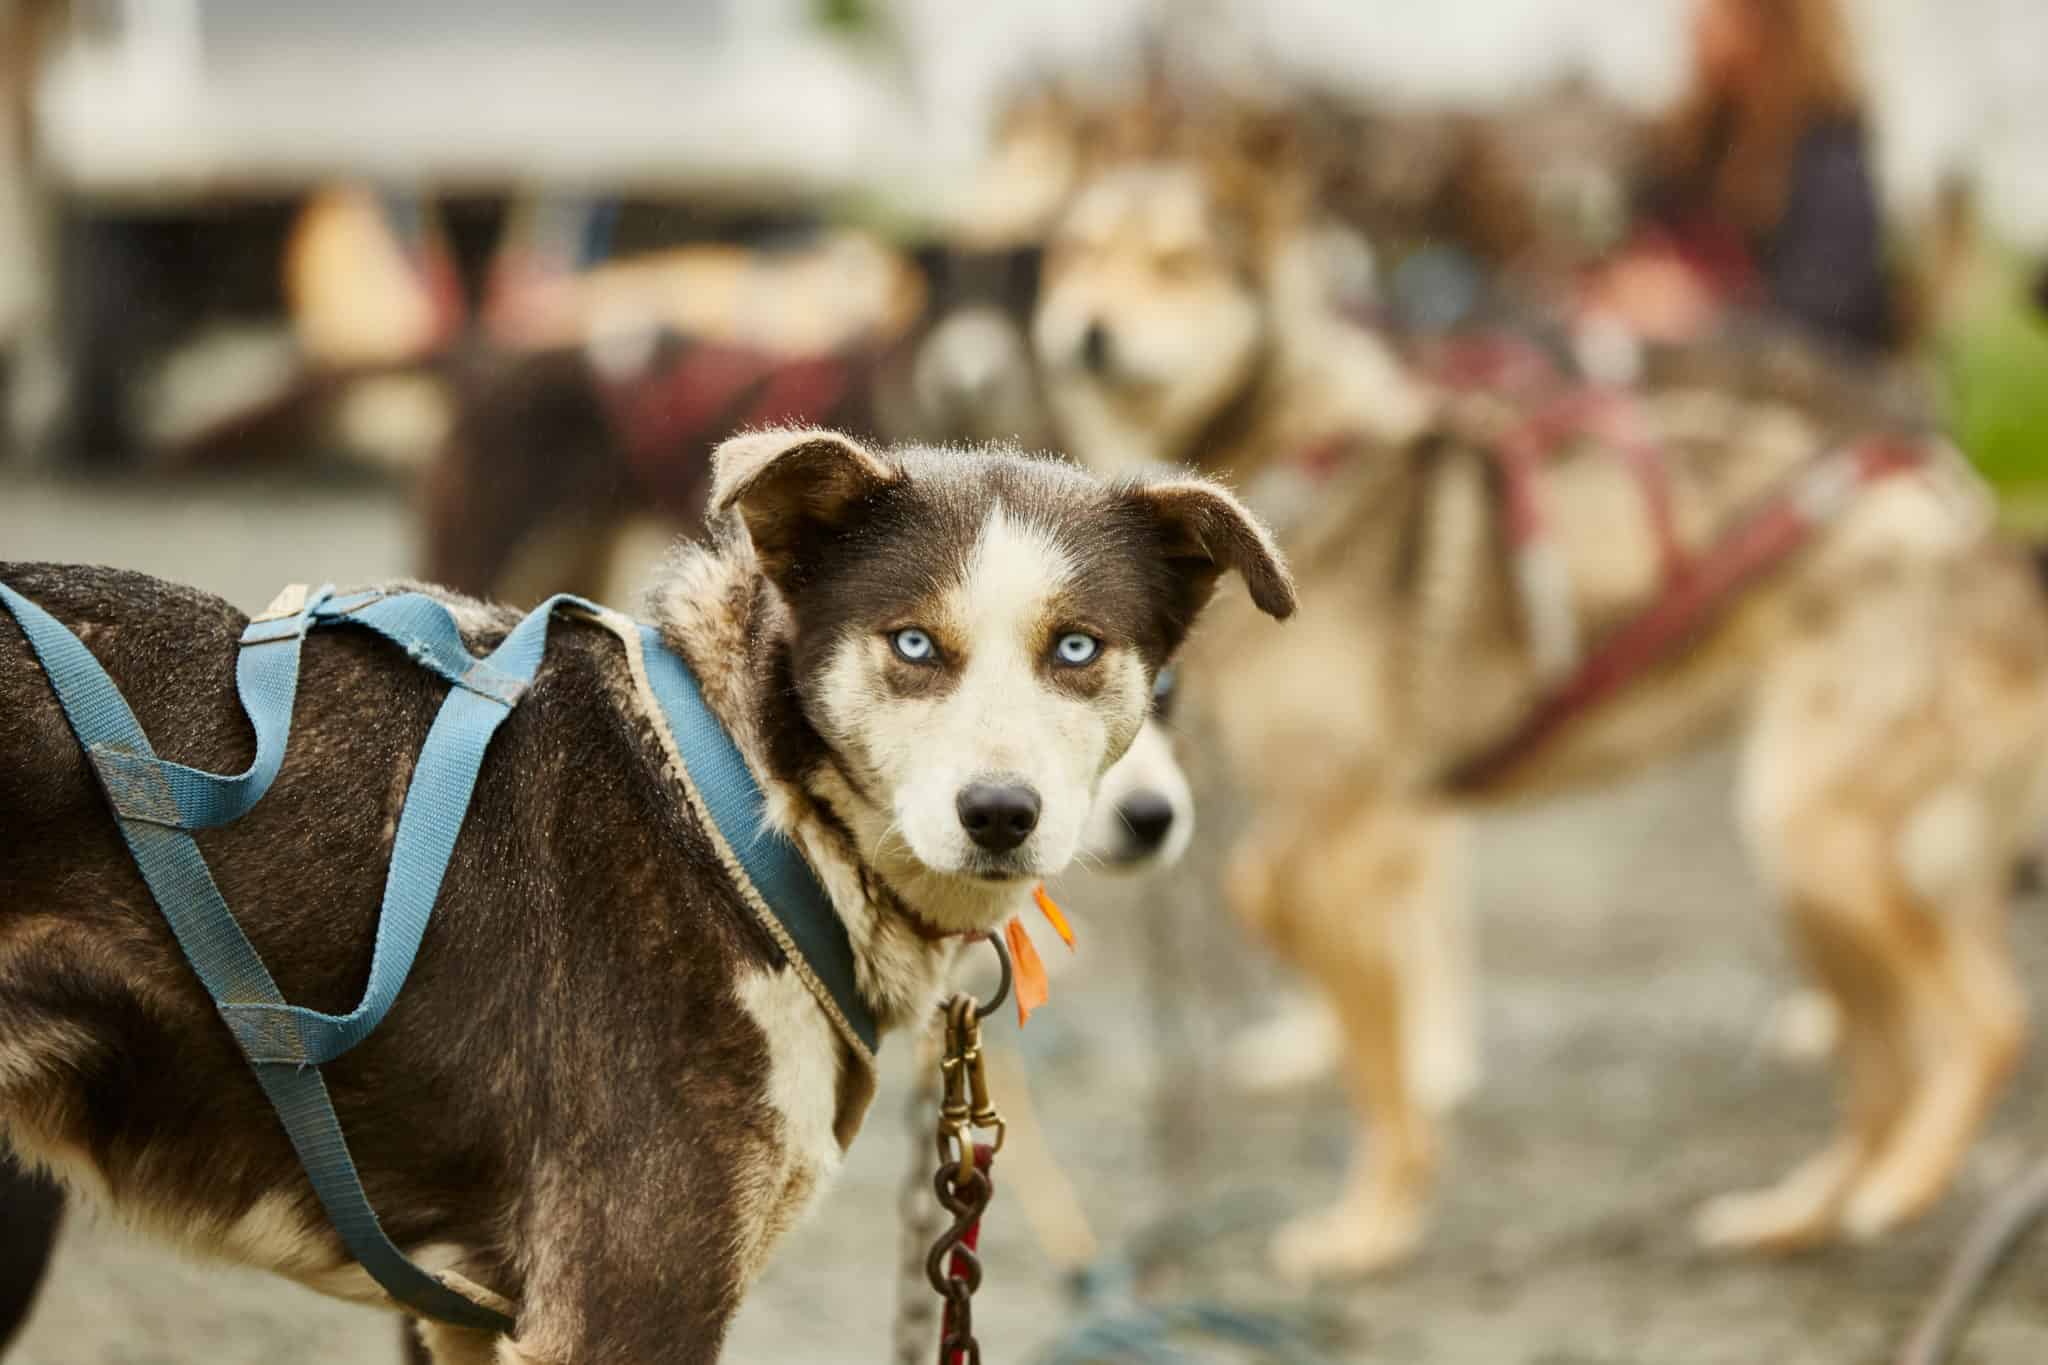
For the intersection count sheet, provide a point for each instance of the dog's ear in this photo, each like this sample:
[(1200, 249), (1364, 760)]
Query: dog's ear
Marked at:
[(791, 487), (1205, 531)]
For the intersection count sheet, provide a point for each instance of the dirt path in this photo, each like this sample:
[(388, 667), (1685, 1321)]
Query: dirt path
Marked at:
[(1629, 962)]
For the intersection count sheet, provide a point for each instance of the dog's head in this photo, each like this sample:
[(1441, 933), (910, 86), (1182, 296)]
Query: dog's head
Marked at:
[(974, 638), (972, 378), (1157, 302), (1150, 318), (1144, 815)]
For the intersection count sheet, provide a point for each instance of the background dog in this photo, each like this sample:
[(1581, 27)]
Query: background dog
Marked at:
[(1419, 653)]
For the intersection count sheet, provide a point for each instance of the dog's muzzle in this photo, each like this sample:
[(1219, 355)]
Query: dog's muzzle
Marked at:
[(1149, 818), (998, 816)]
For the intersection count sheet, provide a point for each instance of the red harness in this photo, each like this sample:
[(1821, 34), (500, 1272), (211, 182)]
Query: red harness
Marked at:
[(1781, 524), (1695, 589)]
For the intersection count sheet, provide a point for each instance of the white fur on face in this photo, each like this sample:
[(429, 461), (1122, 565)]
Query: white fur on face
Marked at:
[(1141, 260), (1148, 771), (1003, 719)]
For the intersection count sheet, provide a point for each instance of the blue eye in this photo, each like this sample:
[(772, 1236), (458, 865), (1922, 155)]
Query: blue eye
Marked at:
[(913, 645), (1075, 649)]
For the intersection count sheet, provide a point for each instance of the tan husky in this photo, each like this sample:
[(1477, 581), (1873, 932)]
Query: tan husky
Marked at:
[(1890, 680)]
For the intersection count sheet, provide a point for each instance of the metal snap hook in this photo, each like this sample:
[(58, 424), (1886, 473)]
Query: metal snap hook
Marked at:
[(1002, 987)]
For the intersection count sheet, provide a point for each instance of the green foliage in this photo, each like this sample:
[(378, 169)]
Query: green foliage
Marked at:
[(1994, 365)]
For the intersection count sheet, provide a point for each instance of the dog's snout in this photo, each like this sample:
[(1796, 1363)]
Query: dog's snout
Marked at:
[(998, 816), (1148, 816), (1095, 347)]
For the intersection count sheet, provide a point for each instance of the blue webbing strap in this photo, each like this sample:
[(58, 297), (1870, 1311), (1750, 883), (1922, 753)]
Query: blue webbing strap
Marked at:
[(426, 631), (436, 801), (739, 809), (226, 963), (267, 680)]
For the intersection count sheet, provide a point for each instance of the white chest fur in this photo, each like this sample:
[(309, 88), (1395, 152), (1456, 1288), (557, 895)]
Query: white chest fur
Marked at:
[(802, 1088)]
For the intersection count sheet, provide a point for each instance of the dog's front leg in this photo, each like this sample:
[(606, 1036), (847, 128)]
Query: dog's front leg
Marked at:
[(616, 1316), (1348, 901), (575, 1339), (639, 1249)]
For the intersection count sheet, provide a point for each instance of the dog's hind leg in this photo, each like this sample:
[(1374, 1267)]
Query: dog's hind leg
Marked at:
[(1885, 790), (1804, 1208), (1967, 1020), (1345, 912), (1826, 847), (1931, 1013), (1949, 857)]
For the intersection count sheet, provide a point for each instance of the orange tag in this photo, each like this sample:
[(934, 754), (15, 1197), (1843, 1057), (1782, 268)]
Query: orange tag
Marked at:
[(1028, 970), (1052, 913)]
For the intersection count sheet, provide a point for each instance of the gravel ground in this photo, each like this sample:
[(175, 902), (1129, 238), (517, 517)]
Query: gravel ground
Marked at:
[(1628, 959)]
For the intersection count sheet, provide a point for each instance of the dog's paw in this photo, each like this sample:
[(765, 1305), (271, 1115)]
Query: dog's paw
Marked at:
[(1345, 1242), (1888, 1200), (1777, 1220), (1292, 1051), (1801, 1211)]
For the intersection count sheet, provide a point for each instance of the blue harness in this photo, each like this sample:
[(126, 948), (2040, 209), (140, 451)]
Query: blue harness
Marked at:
[(158, 803)]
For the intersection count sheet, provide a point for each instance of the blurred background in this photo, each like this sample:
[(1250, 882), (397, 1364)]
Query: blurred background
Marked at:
[(467, 291)]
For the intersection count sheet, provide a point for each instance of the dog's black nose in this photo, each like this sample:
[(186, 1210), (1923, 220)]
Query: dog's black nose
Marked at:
[(1148, 816), (1095, 347), (997, 816)]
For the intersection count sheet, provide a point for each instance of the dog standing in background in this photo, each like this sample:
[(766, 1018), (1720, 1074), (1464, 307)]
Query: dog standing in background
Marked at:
[(1891, 679)]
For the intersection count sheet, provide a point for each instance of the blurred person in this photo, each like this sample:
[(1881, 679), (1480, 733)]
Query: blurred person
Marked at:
[(1760, 193)]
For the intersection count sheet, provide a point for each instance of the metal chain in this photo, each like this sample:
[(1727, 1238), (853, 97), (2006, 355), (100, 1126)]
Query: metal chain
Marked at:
[(953, 1267), (963, 1182)]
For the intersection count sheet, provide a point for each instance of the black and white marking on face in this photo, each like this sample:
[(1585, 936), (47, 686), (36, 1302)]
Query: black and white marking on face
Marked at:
[(977, 636)]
